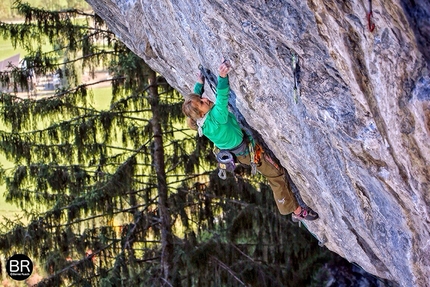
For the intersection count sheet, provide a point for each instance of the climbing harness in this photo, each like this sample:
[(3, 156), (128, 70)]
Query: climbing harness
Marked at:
[(226, 160), (295, 64), (369, 17)]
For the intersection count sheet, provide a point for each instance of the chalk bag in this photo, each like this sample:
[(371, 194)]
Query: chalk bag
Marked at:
[(225, 163)]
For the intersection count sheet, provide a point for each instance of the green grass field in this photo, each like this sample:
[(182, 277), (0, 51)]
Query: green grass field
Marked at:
[(8, 51)]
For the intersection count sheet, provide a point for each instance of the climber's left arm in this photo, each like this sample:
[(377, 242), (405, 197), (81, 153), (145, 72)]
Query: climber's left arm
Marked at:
[(199, 87)]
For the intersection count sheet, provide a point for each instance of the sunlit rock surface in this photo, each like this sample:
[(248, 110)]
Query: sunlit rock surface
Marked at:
[(355, 141)]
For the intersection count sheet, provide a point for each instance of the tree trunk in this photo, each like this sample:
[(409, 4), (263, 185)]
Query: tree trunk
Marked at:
[(158, 160)]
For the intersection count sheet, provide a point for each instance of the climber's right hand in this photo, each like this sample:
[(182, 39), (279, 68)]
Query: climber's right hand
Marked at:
[(224, 68)]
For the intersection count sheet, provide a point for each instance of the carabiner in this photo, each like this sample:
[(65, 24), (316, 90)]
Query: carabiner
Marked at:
[(369, 20), (222, 174), (369, 17)]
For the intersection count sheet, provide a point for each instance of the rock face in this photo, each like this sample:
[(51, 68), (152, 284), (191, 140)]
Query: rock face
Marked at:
[(355, 140)]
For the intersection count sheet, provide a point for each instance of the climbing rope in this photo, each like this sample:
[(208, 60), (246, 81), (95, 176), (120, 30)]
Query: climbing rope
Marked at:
[(212, 80), (210, 77)]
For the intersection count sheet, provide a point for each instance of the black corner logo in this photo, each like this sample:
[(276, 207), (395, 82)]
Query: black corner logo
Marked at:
[(19, 267)]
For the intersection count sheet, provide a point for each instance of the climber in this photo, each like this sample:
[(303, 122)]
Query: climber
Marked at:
[(213, 120)]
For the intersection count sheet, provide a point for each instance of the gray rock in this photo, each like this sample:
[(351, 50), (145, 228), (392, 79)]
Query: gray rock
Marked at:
[(356, 141)]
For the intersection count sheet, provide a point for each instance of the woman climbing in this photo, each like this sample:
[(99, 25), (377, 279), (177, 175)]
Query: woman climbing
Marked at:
[(220, 126)]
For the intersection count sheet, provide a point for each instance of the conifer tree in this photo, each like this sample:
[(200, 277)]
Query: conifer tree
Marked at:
[(78, 168), (127, 196)]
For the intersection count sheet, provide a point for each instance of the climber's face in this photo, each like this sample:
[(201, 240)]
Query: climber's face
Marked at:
[(203, 105)]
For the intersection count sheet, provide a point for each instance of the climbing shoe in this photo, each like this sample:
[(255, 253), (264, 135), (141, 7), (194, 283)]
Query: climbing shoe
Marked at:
[(305, 214)]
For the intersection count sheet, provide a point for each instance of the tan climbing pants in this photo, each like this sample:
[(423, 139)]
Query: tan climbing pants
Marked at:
[(284, 197)]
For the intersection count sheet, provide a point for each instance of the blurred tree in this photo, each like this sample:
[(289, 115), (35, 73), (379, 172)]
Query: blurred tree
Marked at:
[(120, 197), (7, 12)]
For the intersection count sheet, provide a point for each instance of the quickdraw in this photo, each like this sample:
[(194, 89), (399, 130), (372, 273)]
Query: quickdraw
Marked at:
[(295, 66), (369, 17), (253, 156)]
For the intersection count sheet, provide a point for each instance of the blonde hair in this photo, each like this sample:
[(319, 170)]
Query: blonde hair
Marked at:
[(192, 124), (190, 110), (188, 107)]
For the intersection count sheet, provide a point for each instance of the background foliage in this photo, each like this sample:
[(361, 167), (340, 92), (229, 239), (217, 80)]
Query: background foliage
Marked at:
[(9, 13)]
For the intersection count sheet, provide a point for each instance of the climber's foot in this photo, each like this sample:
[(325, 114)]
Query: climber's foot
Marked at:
[(306, 213)]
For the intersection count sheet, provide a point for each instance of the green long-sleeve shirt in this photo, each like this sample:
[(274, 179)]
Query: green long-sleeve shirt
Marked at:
[(221, 126)]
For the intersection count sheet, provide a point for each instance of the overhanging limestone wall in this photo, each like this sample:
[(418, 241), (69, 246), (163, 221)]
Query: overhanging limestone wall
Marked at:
[(356, 141)]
